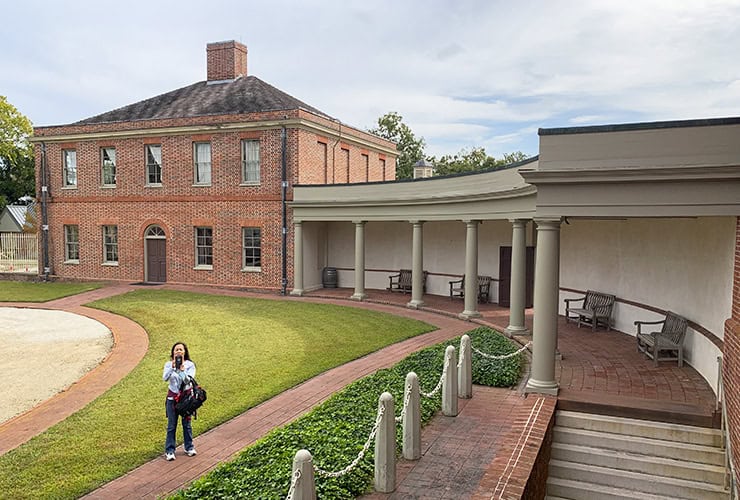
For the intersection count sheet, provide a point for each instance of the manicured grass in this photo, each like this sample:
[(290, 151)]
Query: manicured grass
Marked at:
[(335, 431), (28, 291), (246, 351)]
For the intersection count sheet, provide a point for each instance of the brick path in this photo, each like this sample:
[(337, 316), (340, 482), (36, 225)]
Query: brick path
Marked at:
[(469, 456)]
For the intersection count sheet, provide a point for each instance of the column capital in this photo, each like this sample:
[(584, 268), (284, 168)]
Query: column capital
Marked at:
[(297, 222), (415, 222), (545, 223), (471, 222), (359, 222), (519, 222)]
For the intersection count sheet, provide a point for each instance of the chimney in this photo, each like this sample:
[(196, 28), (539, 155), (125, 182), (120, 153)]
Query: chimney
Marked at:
[(226, 60)]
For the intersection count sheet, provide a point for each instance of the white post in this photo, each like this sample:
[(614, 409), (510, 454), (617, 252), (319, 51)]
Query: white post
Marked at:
[(471, 270), (297, 259), (449, 384), (412, 418), (465, 371), (359, 261), (305, 488), (385, 446)]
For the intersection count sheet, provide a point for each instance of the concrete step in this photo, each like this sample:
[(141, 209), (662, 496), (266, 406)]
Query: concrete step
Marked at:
[(657, 466), (639, 445), (645, 484), (579, 490), (643, 428)]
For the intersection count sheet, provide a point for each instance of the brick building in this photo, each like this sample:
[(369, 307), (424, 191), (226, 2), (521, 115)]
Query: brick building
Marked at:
[(187, 187)]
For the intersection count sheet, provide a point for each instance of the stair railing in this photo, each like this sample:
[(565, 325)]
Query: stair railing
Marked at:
[(730, 483)]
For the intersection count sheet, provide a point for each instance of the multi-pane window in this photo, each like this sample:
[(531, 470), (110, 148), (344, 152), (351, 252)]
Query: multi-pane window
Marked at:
[(251, 162), (366, 161), (110, 244), (72, 243), (251, 247), (324, 161), (70, 167), (382, 167), (202, 160), (203, 246), (154, 164), (108, 165)]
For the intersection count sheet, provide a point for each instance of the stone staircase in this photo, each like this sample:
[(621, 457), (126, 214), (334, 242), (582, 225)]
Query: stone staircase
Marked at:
[(605, 457)]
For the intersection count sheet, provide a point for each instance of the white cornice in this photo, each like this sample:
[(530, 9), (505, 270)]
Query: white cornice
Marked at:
[(297, 123), (632, 174)]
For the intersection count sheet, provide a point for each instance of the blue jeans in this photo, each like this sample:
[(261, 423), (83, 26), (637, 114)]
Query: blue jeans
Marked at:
[(187, 429)]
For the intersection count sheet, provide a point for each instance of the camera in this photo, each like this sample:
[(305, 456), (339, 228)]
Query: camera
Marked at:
[(178, 361)]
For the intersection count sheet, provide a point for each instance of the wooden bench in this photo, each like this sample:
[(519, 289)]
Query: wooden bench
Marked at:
[(457, 288), (597, 309), (401, 282), (668, 339)]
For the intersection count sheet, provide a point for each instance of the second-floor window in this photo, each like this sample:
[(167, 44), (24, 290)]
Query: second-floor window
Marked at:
[(251, 162), (72, 243), (154, 164), (202, 160), (204, 247), (110, 244), (108, 165), (70, 168)]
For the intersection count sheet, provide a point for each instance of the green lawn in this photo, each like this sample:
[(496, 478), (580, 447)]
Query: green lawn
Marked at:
[(246, 351), (27, 291)]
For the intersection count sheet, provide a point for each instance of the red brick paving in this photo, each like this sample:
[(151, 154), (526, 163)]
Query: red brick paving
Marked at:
[(460, 454)]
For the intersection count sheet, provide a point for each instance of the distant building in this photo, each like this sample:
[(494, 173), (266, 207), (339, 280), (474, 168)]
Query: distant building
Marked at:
[(18, 218), (423, 169)]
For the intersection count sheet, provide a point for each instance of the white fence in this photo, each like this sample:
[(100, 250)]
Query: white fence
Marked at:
[(19, 253)]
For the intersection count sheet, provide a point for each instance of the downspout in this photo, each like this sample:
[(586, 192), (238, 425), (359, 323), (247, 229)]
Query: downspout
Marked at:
[(44, 215), (284, 193)]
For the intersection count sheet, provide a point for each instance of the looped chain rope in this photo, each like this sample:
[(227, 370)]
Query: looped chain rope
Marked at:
[(503, 356), (406, 399), (439, 384), (324, 473), (293, 482), (462, 358)]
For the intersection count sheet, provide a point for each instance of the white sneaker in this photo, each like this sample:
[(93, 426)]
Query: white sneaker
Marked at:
[(169, 457), (191, 452)]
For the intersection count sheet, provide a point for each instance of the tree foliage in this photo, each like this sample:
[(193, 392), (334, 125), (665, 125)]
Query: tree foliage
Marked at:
[(410, 148), (473, 160), (16, 154)]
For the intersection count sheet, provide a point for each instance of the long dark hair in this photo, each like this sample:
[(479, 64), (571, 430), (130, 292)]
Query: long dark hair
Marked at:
[(172, 351)]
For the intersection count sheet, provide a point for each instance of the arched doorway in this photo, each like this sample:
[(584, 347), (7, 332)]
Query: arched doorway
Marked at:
[(155, 255)]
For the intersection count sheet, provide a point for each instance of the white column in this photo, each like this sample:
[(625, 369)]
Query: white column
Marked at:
[(545, 329), (518, 293), (297, 258), (359, 261), (471, 270), (417, 266)]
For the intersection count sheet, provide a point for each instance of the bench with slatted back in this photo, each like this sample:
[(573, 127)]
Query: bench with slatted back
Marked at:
[(401, 282), (597, 309), (669, 339), (457, 288)]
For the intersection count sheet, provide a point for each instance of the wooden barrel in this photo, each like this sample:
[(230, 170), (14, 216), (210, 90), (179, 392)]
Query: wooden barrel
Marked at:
[(329, 277)]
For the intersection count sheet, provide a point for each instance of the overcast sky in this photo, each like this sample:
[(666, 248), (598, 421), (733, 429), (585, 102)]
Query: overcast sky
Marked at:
[(462, 73)]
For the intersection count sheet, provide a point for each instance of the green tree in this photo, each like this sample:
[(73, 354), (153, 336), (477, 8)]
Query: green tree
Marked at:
[(410, 148), (16, 155), (473, 160)]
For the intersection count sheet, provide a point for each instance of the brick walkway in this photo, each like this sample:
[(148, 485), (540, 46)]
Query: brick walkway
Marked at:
[(469, 456)]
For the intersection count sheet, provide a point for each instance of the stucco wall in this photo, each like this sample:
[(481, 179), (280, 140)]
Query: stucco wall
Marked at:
[(684, 265), (314, 254)]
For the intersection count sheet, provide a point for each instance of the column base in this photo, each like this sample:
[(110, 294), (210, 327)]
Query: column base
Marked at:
[(359, 296), (469, 315), (297, 292), (415, 304), (540, 387), (517, 330)]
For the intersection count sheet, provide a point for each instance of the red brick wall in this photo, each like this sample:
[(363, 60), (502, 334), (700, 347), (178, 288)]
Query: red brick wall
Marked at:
[(731, 358)]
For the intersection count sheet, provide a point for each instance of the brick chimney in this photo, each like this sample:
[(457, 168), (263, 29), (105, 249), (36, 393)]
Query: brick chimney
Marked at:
[(226, 60)]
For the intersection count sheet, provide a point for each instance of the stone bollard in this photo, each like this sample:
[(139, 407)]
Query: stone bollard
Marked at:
[(385, 446), (305, 488), (465, 372), (449, 384), (412, 419)]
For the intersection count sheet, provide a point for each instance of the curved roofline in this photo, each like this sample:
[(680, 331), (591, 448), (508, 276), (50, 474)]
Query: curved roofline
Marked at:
[(592, 129), (435, 178)]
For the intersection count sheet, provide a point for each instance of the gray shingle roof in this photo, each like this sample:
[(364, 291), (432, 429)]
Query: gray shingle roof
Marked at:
[(244, 95), (18, 213)]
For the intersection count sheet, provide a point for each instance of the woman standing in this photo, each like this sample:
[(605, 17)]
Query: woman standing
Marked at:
[(177, 370)]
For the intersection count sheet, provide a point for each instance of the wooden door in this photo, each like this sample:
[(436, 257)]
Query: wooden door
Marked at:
[(504, 270), (156, 260)]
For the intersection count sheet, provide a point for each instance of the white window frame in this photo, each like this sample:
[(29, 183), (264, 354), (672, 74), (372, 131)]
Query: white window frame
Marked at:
[(255, 262), (251, 161), (153, 165), (110, 245), (108, 166), (203, 247), (71, 244), (69, 174), (202, 167)]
